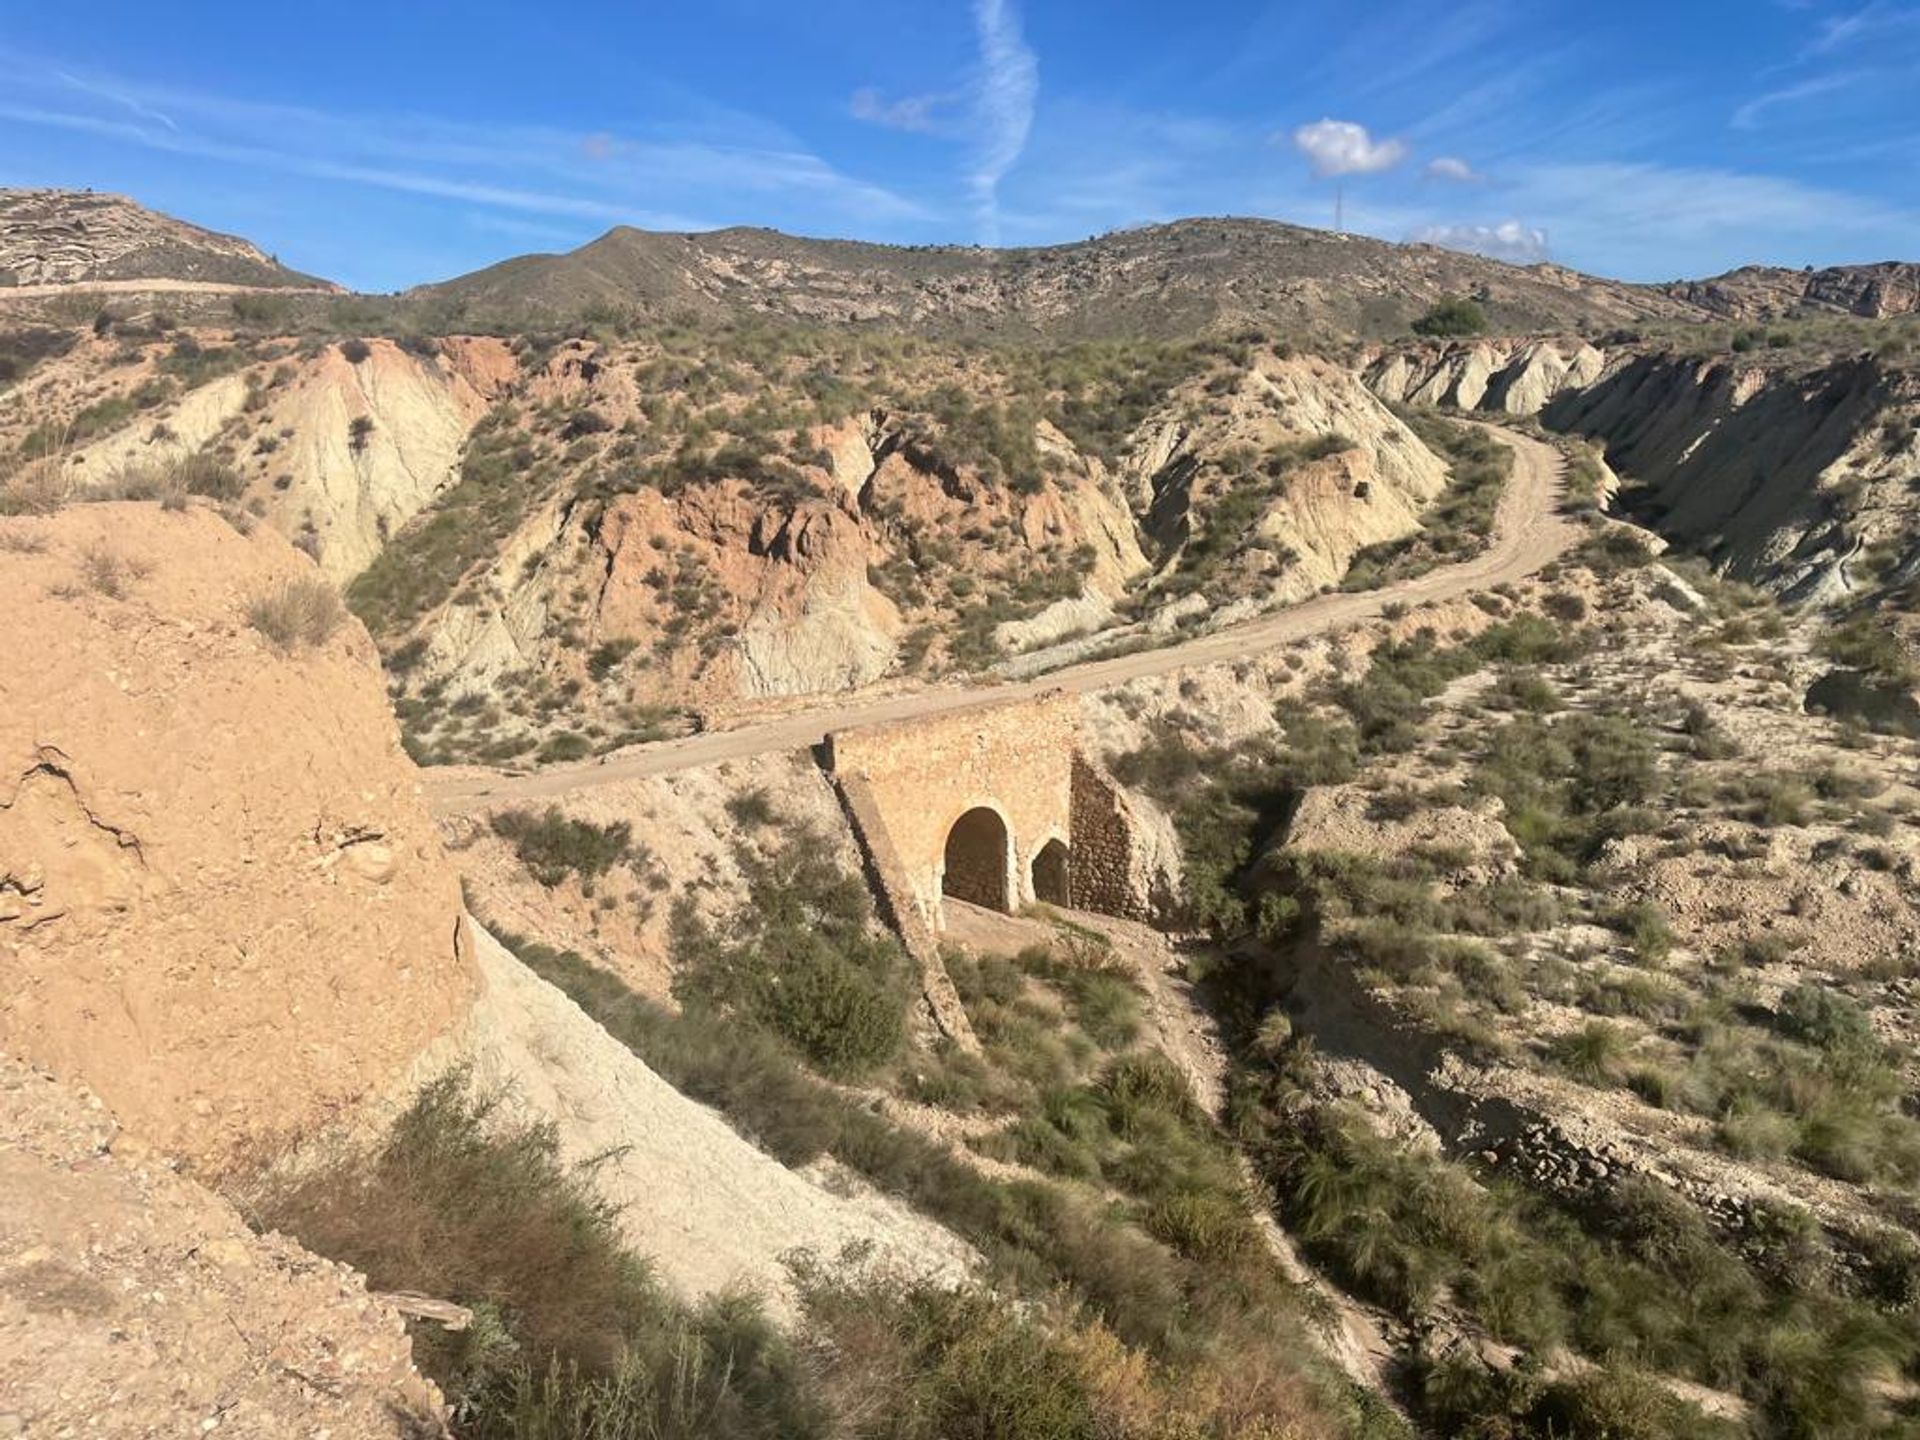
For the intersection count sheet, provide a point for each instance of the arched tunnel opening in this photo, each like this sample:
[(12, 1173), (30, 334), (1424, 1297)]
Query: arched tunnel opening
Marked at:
[(978, 858), (1052, 875)]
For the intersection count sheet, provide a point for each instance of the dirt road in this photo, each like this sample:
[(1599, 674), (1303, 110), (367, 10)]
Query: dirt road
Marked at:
[(1528, 534)]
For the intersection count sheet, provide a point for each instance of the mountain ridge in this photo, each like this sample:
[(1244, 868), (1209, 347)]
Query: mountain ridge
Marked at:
[(1179, 277)]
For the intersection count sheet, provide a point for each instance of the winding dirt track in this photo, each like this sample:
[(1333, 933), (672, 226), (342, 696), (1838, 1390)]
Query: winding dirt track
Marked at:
[(1528, 533)]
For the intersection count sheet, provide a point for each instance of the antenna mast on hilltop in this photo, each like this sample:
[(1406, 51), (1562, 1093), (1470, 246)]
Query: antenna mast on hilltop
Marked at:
[(1339, 209)]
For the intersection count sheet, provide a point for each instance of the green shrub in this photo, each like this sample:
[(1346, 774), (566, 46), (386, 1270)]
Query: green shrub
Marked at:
[(607, 655), (552, 846), (571, 1335), (1038, 1241), (564, 748), (1613, 551), (1823, 1017), (752, 808), (1648, 934), (1452, 315), (1866, 645), (1591, 1053), (801, 958)]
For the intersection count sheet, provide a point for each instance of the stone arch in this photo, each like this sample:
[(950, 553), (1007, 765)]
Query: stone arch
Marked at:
[(977, 864), (1053, 873)]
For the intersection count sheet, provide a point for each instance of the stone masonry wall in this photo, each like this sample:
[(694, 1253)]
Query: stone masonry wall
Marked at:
[(1013, 759), (1104, 877)]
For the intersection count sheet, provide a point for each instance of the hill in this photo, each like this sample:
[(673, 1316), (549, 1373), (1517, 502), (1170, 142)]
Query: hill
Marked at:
[(66, 237), (1160, 281), (1770, 292)]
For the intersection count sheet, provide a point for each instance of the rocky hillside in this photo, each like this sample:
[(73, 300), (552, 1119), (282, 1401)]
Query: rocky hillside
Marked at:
[(1160, 281), (1764, 292), (224, 912), (666, 558), (566, 542), (1787, 469), (1566, 936), (66, 237), (1798, 479), (1508, 376)]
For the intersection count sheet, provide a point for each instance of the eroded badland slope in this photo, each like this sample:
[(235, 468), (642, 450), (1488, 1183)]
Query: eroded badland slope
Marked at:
[(1511, 1035)]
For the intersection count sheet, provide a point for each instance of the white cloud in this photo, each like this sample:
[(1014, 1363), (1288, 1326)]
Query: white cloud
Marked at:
[(1451, 167), (1008, 93), (1510, 240), (921, 114), (1341, 147)]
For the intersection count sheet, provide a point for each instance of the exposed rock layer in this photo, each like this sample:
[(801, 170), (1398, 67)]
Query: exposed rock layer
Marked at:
[(70, 236)]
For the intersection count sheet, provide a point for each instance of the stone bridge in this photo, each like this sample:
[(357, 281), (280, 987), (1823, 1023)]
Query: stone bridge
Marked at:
[(994, 804)]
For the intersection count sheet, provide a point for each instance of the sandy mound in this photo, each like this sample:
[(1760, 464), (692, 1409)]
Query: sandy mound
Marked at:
[(135, 1303), (222, 904)]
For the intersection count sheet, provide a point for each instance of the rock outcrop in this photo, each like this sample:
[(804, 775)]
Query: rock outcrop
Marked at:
[(1513, 377), (1353, 475), (64, 237), (337, 449), (222, 904), (725, 591), (1767, 292)]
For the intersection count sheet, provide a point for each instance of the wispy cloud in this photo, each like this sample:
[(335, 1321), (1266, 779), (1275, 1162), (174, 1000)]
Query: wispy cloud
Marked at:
[(1841, 32), (544, 202), (1748, 116), (1658, 221), (1008, 94), (1342, 147), (116, 96), (488, 223), (688, 177)]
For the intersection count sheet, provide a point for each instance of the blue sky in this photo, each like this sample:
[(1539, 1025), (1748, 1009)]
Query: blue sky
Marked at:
[(384, 145)]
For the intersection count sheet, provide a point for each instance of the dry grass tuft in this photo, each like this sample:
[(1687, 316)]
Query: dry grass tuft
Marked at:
[(301, 612), (107, 572), (22, 542)]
